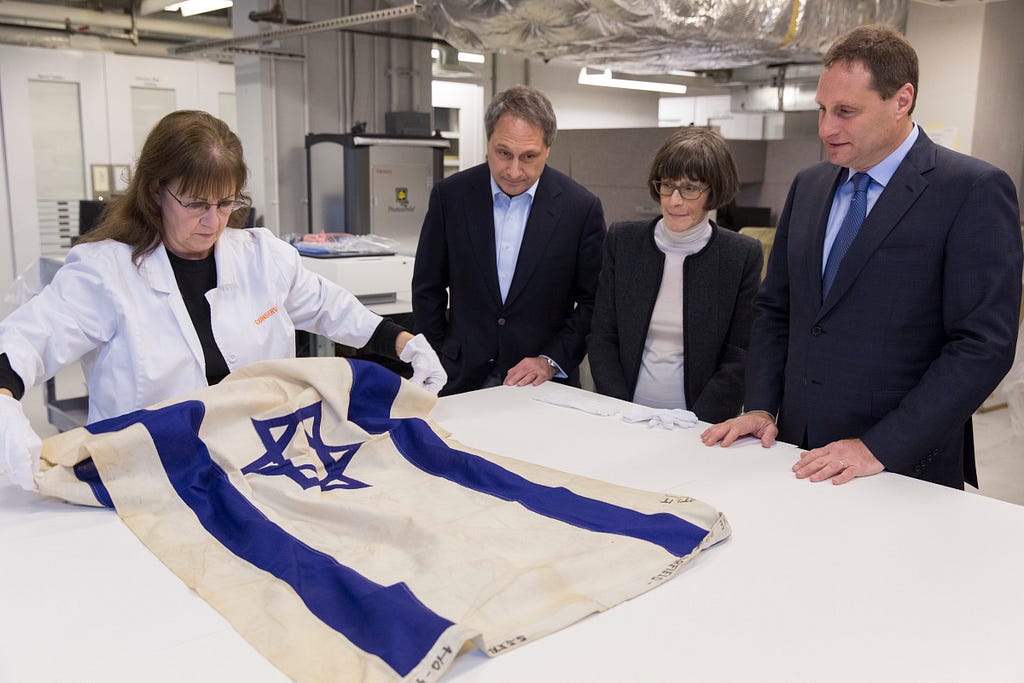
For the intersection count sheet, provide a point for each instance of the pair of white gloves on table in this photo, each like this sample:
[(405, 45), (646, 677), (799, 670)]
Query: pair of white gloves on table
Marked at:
[(660, 417), (426, 366), (19, 445)]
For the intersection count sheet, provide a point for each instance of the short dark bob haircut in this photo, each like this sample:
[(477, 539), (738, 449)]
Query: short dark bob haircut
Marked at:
[(700, 155)]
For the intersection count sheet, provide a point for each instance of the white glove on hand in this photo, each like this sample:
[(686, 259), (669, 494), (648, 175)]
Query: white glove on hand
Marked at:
[(19, 445), (426, 366), (660, 417)]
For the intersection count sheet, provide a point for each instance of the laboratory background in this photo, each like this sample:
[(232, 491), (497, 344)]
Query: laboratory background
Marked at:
[(81, 86), (349, 113)]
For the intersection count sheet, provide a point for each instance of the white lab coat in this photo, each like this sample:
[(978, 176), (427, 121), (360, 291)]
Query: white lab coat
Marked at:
[(137, 343)]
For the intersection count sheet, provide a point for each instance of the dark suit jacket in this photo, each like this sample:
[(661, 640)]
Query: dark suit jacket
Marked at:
[(719, 283), (918, 328), (551, 298)]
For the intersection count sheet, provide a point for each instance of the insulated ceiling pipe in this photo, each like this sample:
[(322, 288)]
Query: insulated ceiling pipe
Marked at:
[(70, 16), (57, 40)]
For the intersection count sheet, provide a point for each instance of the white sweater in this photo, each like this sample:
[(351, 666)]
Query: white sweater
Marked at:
[(660, 383)]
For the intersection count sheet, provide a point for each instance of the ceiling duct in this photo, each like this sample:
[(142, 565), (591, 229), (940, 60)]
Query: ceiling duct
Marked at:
[(445, 63), (657, 36)]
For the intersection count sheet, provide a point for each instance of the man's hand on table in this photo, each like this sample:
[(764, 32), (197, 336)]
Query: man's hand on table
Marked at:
[(841, 461), (533, 371), (756, 423)]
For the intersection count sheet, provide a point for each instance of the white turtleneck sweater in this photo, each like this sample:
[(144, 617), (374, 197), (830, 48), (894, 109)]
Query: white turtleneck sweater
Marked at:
[(660, 383)]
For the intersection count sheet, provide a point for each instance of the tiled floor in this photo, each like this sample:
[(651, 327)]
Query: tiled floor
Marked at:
[(1000, 454)]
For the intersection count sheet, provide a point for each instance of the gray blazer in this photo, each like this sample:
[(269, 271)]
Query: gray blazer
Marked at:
[(719, 284)]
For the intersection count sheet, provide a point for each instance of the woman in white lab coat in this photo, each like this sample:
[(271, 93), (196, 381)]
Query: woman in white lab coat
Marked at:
[(163, 297)]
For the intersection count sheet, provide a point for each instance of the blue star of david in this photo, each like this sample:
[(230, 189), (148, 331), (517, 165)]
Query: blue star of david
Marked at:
[(274, 462)]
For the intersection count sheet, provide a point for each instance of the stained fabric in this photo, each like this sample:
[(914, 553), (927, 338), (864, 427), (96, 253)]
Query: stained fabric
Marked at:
[(315, 505)]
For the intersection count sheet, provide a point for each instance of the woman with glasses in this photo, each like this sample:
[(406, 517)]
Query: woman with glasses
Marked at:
[(674, 300), (163, 298)]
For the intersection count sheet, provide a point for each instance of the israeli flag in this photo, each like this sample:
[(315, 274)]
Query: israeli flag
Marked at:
[(313, 503)]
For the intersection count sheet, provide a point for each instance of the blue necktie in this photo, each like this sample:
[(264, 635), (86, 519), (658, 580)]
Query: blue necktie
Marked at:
[(847, 231)]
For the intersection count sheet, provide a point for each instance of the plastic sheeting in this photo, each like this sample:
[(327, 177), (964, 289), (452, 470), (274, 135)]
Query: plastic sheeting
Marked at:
[(657, 36)]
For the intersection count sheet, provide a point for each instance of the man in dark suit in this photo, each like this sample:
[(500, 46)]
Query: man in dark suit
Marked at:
[(513, 249), (876, 359)]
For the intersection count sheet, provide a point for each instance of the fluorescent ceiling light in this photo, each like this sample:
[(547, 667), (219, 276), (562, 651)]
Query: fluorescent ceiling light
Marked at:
[(190, 7), (604, 78), (435, 53), (471, 57)]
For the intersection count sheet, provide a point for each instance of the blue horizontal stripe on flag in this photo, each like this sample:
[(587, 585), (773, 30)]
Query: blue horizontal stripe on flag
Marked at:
[(387, 621), (373, 392), (424, 449)]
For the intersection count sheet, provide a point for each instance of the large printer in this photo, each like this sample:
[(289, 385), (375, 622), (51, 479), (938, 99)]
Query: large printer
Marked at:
[(386, 184), (381, 283)]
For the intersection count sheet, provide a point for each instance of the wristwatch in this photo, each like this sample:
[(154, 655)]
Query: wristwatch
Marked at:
[(552, 363)]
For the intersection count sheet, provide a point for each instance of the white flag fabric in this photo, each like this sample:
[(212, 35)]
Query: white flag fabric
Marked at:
[(346, 537)]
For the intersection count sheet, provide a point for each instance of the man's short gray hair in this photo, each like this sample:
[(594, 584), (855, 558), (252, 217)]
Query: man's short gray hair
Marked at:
[(526, 103)]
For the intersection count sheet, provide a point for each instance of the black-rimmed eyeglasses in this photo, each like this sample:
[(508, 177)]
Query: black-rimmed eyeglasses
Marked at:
[(685, 190)]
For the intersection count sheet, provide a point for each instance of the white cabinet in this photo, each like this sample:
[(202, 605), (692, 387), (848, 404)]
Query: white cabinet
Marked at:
[(459, 115), (70, 117)]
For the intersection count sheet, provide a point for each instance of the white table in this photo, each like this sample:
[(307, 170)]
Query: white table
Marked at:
[(885, 578)]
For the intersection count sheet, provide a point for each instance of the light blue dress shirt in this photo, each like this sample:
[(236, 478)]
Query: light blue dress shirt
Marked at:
[(881, 173), (510, 216)]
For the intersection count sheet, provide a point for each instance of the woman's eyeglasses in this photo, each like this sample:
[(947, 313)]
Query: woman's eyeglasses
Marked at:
[(199, 208), (686, 190)]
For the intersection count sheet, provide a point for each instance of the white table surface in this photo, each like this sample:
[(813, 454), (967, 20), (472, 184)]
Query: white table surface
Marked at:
[(883, 579)]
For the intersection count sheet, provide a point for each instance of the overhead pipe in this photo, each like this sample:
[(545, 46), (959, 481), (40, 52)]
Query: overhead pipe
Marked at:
[(69, 16), (274, 15), (303, 29), (62, 40), (277, 15)]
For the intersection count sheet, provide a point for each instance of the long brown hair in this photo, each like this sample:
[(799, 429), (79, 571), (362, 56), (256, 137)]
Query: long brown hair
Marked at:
[(194, 148)]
